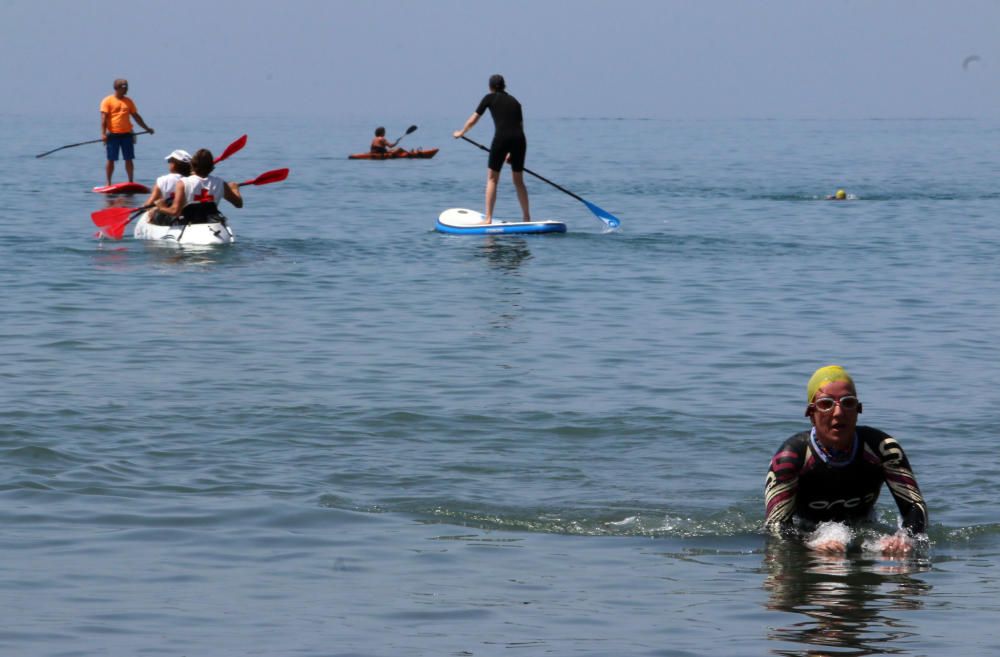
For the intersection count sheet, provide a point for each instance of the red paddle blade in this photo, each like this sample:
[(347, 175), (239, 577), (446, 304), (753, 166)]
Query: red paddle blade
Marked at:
[(234, 147), (111, 222), (267, 178), (115, 232), (110, 216)]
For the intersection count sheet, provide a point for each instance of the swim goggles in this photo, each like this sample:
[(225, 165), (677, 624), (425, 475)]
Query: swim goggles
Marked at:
[(826, 404)]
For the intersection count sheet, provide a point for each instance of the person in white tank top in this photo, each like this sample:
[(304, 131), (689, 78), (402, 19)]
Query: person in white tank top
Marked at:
[(201, 188), (207, 189), (179, 166)]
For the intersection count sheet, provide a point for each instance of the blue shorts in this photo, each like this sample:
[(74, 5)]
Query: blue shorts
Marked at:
[(123, 141)]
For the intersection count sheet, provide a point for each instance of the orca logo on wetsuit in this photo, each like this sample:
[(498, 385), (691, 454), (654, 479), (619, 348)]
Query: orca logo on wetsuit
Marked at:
[(847, 504)]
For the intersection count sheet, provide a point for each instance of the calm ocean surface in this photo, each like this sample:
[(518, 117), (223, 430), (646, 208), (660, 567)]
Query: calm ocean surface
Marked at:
[(350, 435)]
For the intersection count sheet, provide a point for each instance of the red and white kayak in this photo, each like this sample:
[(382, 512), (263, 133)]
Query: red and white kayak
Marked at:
[(123, 188), (417, 154)]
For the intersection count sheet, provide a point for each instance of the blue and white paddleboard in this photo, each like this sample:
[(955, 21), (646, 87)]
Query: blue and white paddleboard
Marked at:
[(459, 221)]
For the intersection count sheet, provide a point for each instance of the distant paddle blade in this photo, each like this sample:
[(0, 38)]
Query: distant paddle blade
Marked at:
[(411, 129), (611, 220), (234, 147), (268, 177)]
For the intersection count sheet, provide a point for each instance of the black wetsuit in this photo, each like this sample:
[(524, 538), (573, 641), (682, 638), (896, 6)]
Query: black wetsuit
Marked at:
[(805, 483), (508, 137)]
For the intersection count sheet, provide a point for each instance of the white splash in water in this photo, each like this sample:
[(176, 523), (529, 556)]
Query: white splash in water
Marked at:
[(828, 532)]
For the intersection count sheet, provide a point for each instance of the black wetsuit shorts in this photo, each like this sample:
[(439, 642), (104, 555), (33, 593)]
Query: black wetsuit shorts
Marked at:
[(516, 147)]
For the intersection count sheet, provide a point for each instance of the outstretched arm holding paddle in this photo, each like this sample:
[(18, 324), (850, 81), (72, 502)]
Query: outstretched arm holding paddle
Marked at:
[(471, 121)]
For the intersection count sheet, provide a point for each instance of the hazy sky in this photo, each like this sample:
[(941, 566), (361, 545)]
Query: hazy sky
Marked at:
[(432, 58)]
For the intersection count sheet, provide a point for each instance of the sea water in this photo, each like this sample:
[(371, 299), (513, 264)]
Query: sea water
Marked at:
[(347, 434)]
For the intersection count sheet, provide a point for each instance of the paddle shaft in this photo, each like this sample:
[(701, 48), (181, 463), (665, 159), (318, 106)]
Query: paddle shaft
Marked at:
[(602, 214), (539, 176), (92, 141), (234, 147), (412, 128)]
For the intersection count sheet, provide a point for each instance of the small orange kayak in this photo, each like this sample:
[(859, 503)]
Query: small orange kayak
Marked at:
[(417, 154)]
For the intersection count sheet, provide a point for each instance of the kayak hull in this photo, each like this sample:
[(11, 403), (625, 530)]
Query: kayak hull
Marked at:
[(210, 234), (418, 154), (123, 188), (460, 221)]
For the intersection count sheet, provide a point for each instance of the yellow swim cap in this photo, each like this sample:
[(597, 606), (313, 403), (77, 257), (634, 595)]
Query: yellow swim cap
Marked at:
[(824, 375), (841, 194)]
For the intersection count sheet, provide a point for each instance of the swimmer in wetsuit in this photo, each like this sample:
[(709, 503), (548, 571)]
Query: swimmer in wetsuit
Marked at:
[(835, 471), (508, 143)]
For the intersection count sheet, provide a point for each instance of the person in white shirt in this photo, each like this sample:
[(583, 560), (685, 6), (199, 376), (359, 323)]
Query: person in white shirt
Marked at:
[(196, 197), (179, 166)]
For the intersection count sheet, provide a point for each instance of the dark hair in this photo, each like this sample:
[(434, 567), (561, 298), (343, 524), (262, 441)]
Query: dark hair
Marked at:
[(380, 131), (183, 168), (202, 162), (497, 82)]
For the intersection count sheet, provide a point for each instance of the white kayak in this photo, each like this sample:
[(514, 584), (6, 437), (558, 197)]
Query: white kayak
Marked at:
[(459, 221), (207, 234)]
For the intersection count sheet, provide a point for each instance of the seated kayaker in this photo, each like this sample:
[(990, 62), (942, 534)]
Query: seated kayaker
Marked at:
[(382, 145), (196, 196), (179, 166)]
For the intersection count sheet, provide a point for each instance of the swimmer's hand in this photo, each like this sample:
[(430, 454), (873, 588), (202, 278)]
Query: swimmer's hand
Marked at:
[(830, 538), (898, 545), (831, 546)]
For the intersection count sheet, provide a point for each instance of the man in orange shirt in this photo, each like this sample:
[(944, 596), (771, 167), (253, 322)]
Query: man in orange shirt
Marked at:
[(116, 127)]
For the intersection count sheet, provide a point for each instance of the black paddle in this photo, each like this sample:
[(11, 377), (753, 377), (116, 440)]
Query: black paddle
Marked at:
[(408, 131), (92, 141), (611, 220)]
